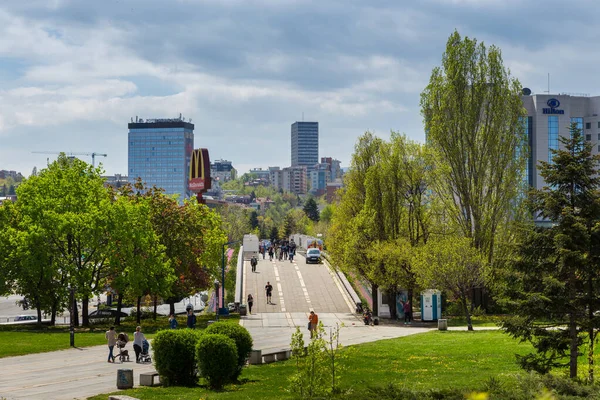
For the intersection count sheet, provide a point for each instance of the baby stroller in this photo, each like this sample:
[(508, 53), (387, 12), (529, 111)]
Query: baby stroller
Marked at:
[(122, 340), (144, 356)]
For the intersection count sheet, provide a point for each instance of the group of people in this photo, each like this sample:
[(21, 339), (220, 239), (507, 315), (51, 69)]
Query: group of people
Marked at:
[(280, 249), (138, 343)]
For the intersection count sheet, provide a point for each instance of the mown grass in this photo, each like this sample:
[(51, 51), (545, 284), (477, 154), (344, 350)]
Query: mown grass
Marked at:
[(17, 340), (435, 360)]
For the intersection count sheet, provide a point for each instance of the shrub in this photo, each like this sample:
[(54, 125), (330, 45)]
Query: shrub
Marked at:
[(242, 338), (217, 359), (175, 356)]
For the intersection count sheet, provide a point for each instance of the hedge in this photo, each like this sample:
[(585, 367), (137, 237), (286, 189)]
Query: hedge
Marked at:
[(242, 338), (217, 359), (175, 356)]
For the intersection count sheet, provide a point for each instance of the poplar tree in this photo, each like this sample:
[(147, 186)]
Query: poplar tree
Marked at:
[(473, 118)]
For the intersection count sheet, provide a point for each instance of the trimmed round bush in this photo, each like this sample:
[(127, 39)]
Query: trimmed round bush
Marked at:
[(175, 356), (242, 338), (217, 359)]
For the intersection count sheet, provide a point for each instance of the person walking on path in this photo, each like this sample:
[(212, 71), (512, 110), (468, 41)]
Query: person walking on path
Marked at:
[(313, 320), (191, 320), (269, 289), (172, 322), (250, 303), (111, 336), (253, 263), (270, 253), (407, 308), (138, 342)]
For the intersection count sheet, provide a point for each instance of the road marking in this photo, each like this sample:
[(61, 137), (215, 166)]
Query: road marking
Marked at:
[(279, 289), (303, 285)]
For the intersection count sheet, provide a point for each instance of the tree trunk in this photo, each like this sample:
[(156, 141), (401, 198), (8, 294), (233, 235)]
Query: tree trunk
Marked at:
[(38, 307), (155, 307), (467, 313), (172, 306), (375, 298), (573, 347), (85, 303), (119, 307), (393, 311), (139, 310), (53, 313)]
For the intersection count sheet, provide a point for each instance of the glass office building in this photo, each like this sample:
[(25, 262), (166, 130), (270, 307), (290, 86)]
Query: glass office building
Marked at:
[(305, 144), (160, 152)]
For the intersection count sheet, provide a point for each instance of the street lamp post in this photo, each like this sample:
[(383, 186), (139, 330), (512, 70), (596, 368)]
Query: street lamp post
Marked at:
[(216, 283), (72, 309)]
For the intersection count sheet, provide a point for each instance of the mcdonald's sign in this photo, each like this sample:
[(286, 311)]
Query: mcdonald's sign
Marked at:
[(199, 171)]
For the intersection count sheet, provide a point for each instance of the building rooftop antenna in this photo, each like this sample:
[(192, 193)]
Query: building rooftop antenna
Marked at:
[(548, 91)]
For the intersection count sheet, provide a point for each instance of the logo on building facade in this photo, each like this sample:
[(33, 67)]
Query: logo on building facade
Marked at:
[(553, 104)]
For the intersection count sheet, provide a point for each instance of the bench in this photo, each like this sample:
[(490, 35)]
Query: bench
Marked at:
[(258, 357), (147, 378)]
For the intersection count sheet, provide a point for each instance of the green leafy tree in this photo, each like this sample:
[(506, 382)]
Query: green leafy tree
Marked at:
[(138, 262), (349, 243), (472, 113), (311, 209), (451, 264), (253, 219), (556, 275), (69, 208)]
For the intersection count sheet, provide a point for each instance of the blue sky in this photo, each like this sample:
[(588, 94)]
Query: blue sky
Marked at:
[(73, 72)]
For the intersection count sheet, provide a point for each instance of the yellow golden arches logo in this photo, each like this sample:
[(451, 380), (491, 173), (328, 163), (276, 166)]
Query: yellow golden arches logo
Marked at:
[(199, 171)]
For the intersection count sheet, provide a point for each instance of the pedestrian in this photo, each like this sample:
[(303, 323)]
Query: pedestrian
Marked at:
[(270, 253), (111, 336), (138, 342), (191, 319), (291, 255), (313, 322), (407, 312), (172, 322), (250, 303), (253, 262), (268, 289)]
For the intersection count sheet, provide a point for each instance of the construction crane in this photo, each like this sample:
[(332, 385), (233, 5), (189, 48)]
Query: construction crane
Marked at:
[(74, 154)]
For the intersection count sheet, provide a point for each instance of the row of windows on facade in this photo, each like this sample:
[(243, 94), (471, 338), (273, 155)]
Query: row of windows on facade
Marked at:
[(588, 125)]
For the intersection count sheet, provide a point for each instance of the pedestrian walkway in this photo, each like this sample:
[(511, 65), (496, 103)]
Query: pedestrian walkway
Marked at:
[(297, 287), (76, 373)]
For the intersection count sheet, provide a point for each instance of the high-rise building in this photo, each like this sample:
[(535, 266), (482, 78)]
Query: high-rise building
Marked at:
[(222, 170), (305, 144), (160, 152), (294, 179), (548, 118)]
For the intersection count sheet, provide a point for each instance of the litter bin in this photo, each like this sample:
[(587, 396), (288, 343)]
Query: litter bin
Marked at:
[(243, 309), (124, 378)]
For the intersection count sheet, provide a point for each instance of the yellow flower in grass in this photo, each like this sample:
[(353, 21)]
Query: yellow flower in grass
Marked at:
[(478, 396)]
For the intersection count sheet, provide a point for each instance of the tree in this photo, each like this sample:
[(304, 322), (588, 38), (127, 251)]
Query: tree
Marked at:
[(349, 245), (138, 263), (311, 209), (451, 264), (66, 210), (253, 219), (557, 273), (472, 113)]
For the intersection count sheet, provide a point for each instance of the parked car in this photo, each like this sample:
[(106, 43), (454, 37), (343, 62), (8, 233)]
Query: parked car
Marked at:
[(106, 313), (25, 318), (313, 255)]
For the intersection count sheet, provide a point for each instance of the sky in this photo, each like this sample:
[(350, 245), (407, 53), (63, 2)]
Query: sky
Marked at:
[(74, 72)]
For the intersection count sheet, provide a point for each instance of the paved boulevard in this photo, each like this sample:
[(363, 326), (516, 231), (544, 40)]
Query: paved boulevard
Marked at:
[(298, 288)]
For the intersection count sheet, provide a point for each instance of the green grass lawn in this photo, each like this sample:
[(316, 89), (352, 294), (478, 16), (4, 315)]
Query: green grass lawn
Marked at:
[(17, 340), (440, 360)]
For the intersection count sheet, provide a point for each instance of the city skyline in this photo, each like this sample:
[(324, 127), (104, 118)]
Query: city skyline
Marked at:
[(73, 74)]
